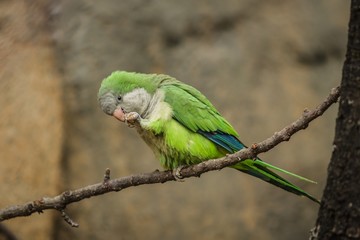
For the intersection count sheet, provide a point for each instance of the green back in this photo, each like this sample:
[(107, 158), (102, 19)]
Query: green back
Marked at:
[(192, 109)]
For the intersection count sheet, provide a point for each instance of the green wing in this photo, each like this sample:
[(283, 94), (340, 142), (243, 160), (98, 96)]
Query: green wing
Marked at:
[(193, 110)]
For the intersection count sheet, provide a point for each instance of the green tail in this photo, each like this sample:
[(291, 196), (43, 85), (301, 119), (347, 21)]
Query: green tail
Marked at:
[(260, 169)]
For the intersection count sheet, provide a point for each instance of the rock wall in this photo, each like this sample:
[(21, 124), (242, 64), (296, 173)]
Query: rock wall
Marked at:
[(31, 125)]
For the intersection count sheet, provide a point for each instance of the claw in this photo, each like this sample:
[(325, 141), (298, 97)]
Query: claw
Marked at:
[(130, 125), (177, 175), (131, 118)]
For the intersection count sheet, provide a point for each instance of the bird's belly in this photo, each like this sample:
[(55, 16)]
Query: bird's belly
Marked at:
[(178, 146)]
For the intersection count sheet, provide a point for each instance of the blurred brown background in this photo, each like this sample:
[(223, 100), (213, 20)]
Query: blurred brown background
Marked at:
[(260, 62)]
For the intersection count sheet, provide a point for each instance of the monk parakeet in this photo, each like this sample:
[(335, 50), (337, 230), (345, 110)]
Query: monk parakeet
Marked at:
[(180, 124)]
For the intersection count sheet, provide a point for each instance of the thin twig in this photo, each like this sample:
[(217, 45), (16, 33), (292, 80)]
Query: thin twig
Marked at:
[(68, 197), (106, 175), (68, 219)]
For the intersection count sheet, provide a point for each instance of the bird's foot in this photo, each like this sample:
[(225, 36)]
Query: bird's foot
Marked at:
[(177, 174), (131, 118)]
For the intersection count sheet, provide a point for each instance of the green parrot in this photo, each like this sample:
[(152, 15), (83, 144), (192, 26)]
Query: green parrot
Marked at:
[(180, 124)]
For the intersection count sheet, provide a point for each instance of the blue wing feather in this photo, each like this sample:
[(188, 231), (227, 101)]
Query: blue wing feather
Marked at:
[(225, 140)]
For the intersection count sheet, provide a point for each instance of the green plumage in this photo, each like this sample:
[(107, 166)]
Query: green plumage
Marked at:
[(180, 124)]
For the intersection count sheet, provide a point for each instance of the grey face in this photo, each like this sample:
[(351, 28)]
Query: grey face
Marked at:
[(108, 102), (137, 100)]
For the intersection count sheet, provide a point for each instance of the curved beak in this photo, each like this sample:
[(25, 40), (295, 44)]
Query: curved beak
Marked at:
[(119, 114)]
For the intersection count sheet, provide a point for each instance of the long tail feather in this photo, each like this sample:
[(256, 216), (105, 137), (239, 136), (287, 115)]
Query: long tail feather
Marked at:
[(265, 164), (259, 169)]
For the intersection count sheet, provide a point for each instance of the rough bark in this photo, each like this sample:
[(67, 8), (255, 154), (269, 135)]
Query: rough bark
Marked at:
[(339, 214)]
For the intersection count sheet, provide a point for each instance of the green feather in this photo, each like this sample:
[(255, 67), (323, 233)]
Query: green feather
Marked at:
[(257, 168), (123, 82), (193, 110)]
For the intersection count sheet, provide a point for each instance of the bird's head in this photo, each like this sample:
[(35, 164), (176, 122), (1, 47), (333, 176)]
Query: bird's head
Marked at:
[(124, 92)]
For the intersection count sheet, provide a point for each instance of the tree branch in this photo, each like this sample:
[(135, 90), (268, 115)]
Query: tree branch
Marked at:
[(107, 185)]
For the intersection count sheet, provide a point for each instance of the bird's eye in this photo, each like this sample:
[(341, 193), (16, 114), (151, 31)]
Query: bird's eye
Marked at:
[(119, 98)]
